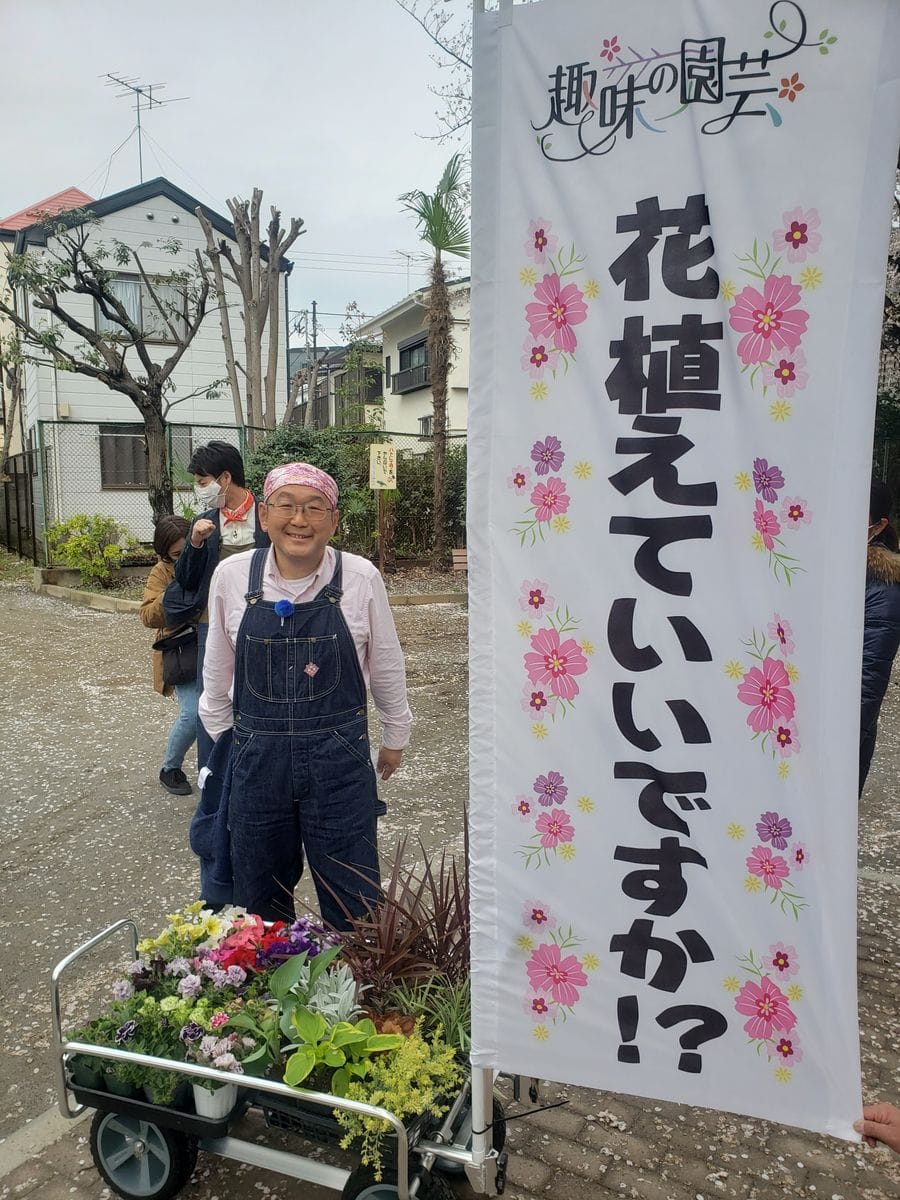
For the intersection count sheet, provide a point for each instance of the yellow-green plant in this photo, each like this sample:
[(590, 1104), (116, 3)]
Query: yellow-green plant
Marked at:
[(91, 545), (417, 1079), (345, 1048)]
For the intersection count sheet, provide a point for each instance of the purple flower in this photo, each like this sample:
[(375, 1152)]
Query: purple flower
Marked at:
[(122, 989), (219, 978), (236, 975), (190, 986), (178, 966), (767, 480), (550, 789), (547, 455), (191, 1032), (774, 829), (135, 968), (126, 1031)]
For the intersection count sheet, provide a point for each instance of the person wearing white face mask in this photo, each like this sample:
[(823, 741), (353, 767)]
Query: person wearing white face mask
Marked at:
[(227, 525)]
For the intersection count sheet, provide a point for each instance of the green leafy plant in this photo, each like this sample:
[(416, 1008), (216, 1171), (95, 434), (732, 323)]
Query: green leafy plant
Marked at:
[(439, 1004), (346, 1049), (91, 545)]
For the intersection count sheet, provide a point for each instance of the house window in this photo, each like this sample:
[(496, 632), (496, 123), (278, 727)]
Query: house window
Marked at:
[(137, 300), (123, 456), (387, 372), (426, 426), (413, 356), (414, 372)]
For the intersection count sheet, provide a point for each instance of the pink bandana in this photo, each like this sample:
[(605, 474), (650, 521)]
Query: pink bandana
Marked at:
[(306, 475)]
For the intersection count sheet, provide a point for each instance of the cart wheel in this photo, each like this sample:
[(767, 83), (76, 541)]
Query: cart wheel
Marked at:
[(462, 1135), (362, 1186), (140, 1160)]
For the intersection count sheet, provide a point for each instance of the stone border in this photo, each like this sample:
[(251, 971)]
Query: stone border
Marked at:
[(115, 604)]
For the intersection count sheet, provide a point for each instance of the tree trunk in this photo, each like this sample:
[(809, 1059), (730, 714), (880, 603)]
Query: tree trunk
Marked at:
[(159, 478), (440, 346)]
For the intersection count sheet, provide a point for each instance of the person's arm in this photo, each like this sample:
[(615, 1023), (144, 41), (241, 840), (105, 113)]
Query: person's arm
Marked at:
[(880, 1123), (387, 679), (191, 564), (151, 610), (215, 709)]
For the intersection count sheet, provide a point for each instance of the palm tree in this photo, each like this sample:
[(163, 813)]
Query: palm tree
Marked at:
[(444, 227)]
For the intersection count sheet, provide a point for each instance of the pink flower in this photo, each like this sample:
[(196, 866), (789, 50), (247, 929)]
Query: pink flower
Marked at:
[(795, 512), (767, 524), (554, 311), (780, 631), (518, 479), (550, 499), (785, 373), (537, 1008), (555, 827), (786, 738), (771, 868), (788, 1050), (549, 972), (767, 1007), (797, 237), (536, 915), (217, 1020), (555, 662), (533, 597), (610, 48), (799, 856), (766, 690), (523, 808), (537, 702), (540, 241), (769, 320), (536, 357), (783, 960)]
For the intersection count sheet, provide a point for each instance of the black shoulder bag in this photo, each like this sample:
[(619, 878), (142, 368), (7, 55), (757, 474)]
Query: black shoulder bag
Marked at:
[(179, 655)]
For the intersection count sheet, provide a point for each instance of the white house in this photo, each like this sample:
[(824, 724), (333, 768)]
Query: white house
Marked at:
[(407, 379), (93, 457)]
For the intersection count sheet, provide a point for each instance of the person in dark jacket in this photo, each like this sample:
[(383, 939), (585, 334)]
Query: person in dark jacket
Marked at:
[(881, 631), (227, 525)]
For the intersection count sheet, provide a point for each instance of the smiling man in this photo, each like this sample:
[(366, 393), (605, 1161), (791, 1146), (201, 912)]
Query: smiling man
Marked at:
[(296, 633)]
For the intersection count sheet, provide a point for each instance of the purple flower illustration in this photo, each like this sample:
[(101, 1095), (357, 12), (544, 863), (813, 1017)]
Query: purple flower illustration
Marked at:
[(774, 829), (767, 480), (547, 455), (550, 789)]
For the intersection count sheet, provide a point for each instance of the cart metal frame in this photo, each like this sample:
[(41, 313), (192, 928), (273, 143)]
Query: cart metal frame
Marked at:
[(484, 1166)]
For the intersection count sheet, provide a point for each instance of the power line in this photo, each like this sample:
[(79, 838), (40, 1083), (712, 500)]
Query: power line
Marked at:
[(182, 169)]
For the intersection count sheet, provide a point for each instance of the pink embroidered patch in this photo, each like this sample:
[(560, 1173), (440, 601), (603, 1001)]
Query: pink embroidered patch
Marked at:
[(311, 669)]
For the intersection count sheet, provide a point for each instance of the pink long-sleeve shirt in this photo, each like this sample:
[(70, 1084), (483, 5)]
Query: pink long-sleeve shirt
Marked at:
[(365, 606)]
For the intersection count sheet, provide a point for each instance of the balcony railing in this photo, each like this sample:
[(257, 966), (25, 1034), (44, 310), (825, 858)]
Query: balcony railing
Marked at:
[(411, 379)]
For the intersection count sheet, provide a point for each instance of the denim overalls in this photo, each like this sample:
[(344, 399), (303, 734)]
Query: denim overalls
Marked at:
[(302, 775)]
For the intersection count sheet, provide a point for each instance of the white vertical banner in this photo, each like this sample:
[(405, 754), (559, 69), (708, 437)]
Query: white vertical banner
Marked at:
[(680, 221)]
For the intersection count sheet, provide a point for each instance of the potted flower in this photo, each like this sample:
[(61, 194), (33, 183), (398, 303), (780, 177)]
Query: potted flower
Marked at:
[(224, 1052)]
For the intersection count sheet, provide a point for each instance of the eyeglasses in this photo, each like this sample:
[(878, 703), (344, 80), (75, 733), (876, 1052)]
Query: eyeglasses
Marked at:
[(315, 513)]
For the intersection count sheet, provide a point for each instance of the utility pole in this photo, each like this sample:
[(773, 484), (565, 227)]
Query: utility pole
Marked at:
[(139, 91)]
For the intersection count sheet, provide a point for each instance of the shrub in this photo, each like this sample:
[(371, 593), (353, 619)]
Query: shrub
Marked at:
[(91, 545)]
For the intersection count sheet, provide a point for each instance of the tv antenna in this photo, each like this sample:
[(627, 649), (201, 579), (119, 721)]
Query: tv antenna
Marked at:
[(141, 92)]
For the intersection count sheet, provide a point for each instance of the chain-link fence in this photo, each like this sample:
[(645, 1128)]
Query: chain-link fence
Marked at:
[(100, 468)]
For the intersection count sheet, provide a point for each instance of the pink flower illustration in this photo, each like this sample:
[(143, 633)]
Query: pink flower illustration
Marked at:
[(767, 524), (533, 597), (540, 241), (769, 320), (536, 915), (554, 311), (786, 738), (537, 1008), (547, 455), (771, 868), (555, 662), (555, 827), (550, 499), (795, 512), (610, 47), (799, 856), (797, 237), (788, 1050), (518, 479), (767, 692), (523, 808), (537, 702), (549, 972), (537, 357), (786, 372), (550, 789), (783, 960), (767, 1007), (780, 631)]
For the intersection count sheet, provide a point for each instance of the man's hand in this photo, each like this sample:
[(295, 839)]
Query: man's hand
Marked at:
[(200, 531), (880, 1123), (388, 762)]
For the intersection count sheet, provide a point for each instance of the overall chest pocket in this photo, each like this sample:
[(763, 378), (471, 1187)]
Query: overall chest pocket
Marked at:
[(292, 670)]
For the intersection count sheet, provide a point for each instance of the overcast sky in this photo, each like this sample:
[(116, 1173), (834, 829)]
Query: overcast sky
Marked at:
[(318, 102)]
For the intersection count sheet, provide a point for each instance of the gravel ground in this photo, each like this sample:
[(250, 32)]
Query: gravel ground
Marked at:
[(90, 836)]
